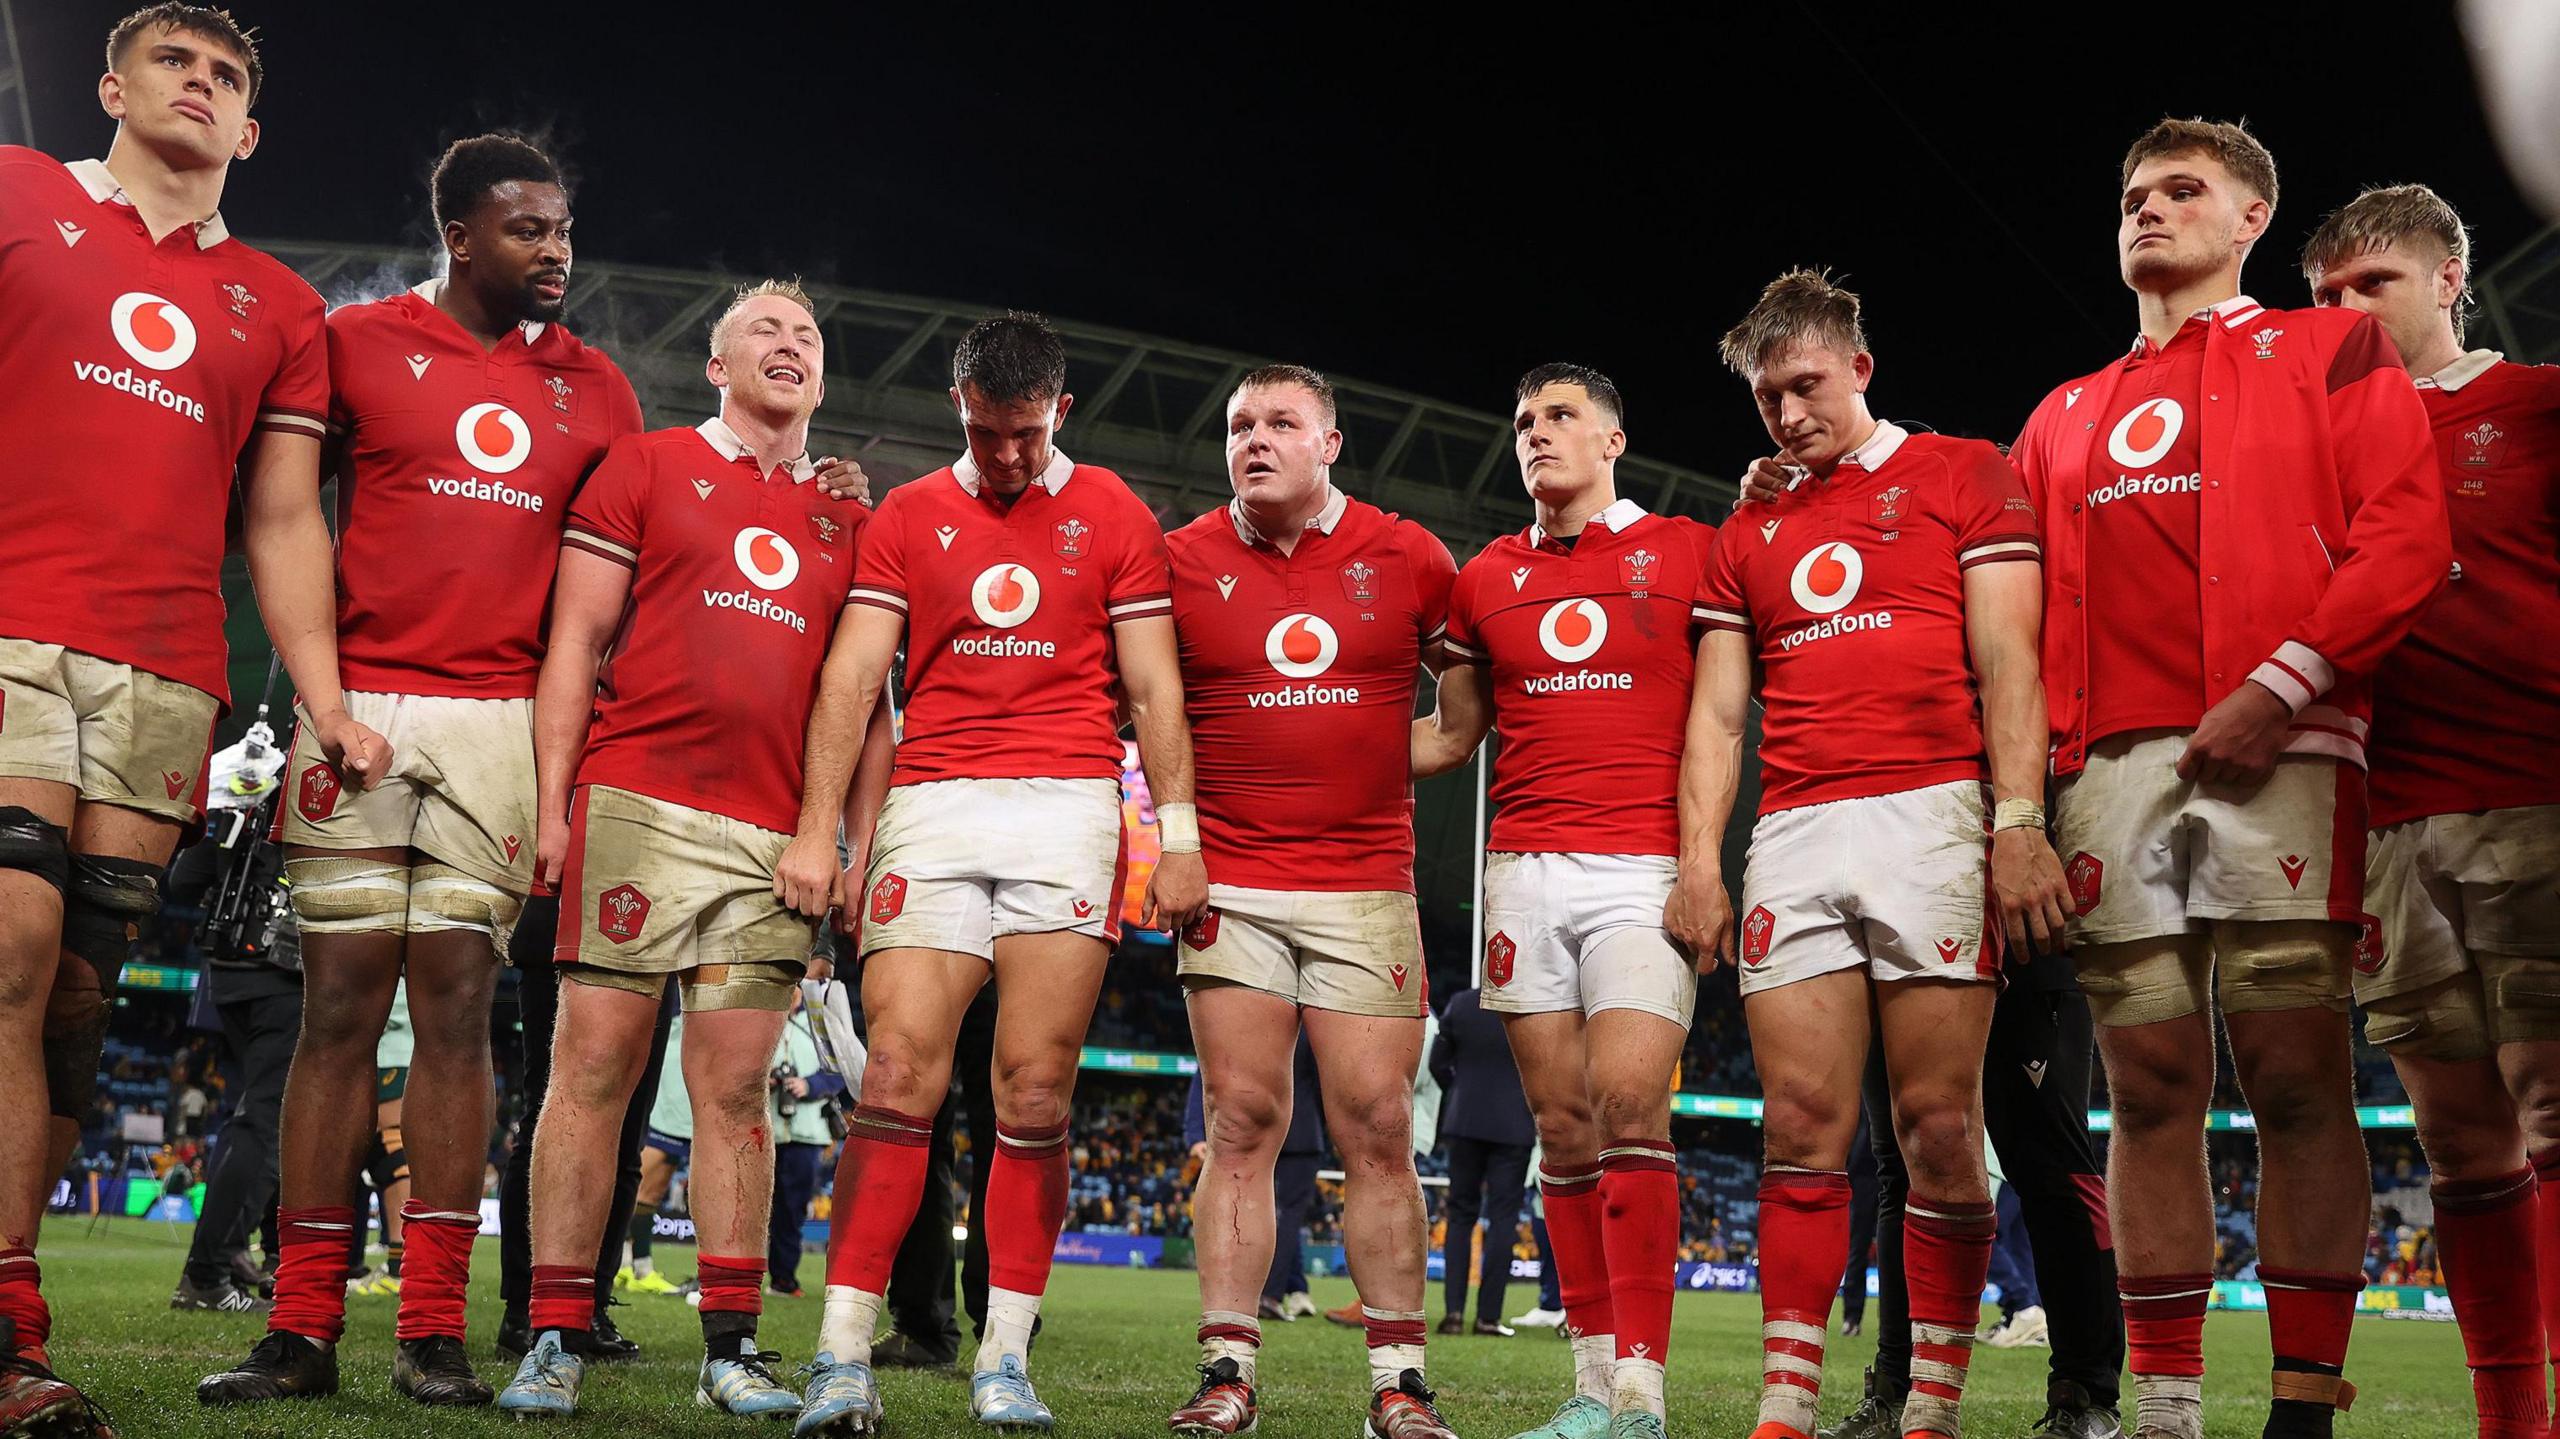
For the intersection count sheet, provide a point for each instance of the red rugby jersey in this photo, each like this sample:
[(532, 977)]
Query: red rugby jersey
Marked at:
[(131, 377), (1592, 650), (1852, 590), (1298, 675), (453, 487), (1009, 609), (2145, 483), (737, 579), (2466, 711)]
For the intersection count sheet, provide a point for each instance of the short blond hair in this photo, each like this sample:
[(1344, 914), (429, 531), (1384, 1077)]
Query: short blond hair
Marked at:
[(2383, 216), (2226, 142), (1799, 307), (786, 289)]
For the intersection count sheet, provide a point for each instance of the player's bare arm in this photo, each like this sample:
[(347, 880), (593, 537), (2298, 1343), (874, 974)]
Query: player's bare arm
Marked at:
[(849, 690), (1461, 715), (287, 540), (1699, 914), (587, 600), (862, 800), (1151, 672), (2003, 608)]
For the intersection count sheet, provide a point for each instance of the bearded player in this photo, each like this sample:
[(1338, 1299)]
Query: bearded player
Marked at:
[(1869, 606), (2242, 516), (1305, 616), (463, 418), (708, 566), (2456, 977), (1021, 584), (147, 344), (1575, 641)]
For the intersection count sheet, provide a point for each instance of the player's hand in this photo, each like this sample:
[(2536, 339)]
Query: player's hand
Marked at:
[(796, 1087), (550, 850), (1699, 916), (360, 755), (1178, 894), (1767, 478), (807, 880), (840, 479), (849, 900), (2026, 880), (2238, 740)]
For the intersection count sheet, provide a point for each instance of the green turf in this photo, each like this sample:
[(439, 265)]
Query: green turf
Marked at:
[(1115, 1357)]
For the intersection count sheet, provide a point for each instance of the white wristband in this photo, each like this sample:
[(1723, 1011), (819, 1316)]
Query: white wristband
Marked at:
[(2017, 814), (1179, 825)]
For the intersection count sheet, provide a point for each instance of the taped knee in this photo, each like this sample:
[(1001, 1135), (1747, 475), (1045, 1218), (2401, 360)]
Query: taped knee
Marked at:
[(72, 1043), (344, 894), (109, 901), (2265, 966), (29, 842), (2143, 981), (444, 898)]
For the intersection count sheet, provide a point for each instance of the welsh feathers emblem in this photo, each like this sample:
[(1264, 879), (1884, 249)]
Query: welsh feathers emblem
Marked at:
[(620, 912), (1070, 537)]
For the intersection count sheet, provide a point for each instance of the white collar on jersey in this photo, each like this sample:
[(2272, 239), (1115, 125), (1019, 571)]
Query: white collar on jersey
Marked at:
[(100, 182), (2461, 372), (428, 290), (2233, 313), (1322, 521), (1052, 479), (1619, 515), (1878, 447), (726, 441)]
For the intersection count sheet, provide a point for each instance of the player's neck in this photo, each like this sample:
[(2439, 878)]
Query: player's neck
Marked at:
[(2441, 349), (1865, 428), (776, 439), (2163, 311), (460, 300), (166, 199), (1283, 528), (1569, 516)]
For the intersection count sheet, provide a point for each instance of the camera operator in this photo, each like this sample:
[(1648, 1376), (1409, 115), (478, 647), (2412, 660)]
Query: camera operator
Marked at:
[(805, 1095)]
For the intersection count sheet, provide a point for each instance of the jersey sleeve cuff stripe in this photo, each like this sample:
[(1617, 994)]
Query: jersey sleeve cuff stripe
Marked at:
[(2004, 550), (2286, 682), (601, 548), (291, 422), (1436, 635), (1142, 607), (885, 599), (1462, 652), (1722, 619)]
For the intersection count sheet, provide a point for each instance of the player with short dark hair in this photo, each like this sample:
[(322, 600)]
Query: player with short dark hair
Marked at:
[(2463, 923), (148, 344), (1021, 584), (1576, 639), (462, 420)]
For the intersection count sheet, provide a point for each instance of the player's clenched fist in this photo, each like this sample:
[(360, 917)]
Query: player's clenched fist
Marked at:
[(1178, 894), (807, 880), (1699, 916)]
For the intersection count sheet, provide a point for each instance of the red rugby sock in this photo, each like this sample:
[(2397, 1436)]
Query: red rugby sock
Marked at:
[(22, 1299), (1026, 1206), (1640, 1232), (2484, 1232), (1577, 1231), (1804, 1244), (879, 1183), (311, 1266), (1946, 1255), (437, 1272), (564, 1298)]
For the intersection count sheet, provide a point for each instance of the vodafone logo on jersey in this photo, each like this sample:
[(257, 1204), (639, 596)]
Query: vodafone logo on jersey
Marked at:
[(1573, 630), (765, 558), (1301, 646), (155, 332), (492, 438), (2145, 433), (1827, 578), (1004, 595)]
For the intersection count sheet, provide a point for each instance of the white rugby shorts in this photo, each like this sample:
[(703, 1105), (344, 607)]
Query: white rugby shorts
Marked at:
[(1896, 885), (957, 864), (1583, 931)]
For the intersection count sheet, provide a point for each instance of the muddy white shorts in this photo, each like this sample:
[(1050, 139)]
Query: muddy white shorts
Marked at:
[(957, 864), (460, 790), (1894, 885), (1583, 931), (1351, 952)]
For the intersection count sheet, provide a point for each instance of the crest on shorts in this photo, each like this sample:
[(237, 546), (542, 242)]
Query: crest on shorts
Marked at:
[(1203, 931), (1637, 568), (620, 912), (888, 898), (563, 397), (2369, 952), (2086, 873), (1360, 582), (1886, 508), (2480, 445), (1499, 952), (1070, 537), (316, 793), (1756, 929)]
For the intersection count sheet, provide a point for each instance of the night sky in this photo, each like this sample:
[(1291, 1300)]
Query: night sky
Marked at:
[(1433, 205)]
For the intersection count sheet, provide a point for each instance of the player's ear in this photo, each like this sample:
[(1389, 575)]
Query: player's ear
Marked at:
[(1058, 416), (1617, 443), (457, 241), (2254, 220), (111, 94), (1332, 446), (248, 140), (2450, 278), (1862, 366), (716, 370)]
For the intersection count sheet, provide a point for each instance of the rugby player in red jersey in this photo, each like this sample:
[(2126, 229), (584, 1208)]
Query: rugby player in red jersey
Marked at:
[(463, 418), (1021, 585), (703, 570), (2456, 974), (1305, 617), (1867, 607), (1576, 639), (146, 344), (2242, 516)]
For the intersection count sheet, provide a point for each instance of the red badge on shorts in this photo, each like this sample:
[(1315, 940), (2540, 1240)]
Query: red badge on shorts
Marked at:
[(1203, 931), (620, 911), (317, 795), (175, 781), (2085, 873), (1069, 537), (1396, 973), (888, 897), (2368, 957), (2293, 865), (1499, 952), (1948, 949), (1756, 927)]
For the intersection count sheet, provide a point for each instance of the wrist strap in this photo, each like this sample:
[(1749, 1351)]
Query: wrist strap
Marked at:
[(2017, 814), (1179, 827)]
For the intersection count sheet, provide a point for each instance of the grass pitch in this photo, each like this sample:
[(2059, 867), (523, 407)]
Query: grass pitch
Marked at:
[(1114, 1359)]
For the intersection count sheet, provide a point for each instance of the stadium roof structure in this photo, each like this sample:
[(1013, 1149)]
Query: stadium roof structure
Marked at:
[(2520, 301), (1149, 407)]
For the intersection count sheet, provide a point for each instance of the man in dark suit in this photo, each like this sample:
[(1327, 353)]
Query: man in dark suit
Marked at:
[(1484, 1120)]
